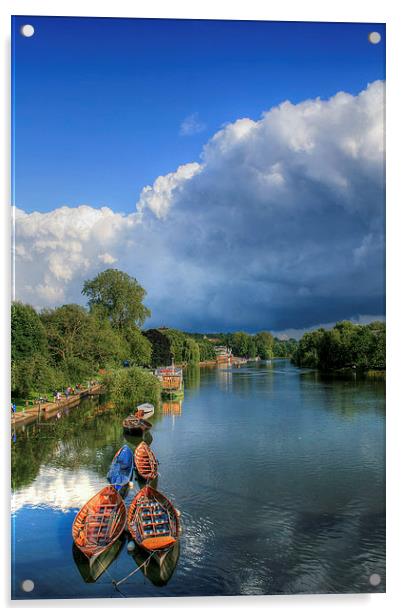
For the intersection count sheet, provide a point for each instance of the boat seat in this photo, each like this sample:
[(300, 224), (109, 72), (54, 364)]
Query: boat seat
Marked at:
[(158, 543)]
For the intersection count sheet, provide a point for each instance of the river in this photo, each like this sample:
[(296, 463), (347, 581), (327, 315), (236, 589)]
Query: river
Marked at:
[(279, 474)]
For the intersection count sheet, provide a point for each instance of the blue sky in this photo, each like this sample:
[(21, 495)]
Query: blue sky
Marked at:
[(99, 102), (105, 107)]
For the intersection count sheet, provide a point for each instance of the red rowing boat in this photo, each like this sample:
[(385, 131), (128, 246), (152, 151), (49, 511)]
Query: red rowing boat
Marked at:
[(152, 521), (100, 522), (145, 462)]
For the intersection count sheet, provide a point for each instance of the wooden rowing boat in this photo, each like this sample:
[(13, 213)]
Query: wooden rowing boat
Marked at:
[(121, 468), (100, 522), (144, 411), (152, 521), (145, 462), (133, 425)]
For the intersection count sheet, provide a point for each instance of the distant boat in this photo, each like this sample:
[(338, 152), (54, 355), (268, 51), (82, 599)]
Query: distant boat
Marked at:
[(153, 523), (99, 523), (133, 425), (171, 379), (121, 468), (144, 411), (145, 462)]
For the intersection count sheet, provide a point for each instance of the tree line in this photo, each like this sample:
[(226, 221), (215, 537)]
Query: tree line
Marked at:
[(345, 346), (53, 348), (262, 344)]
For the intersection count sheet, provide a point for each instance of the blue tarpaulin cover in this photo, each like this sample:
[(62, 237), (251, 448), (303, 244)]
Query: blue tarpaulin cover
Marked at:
[(120, 470)]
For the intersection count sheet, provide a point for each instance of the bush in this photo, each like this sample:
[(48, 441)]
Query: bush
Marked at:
[(128, 387)]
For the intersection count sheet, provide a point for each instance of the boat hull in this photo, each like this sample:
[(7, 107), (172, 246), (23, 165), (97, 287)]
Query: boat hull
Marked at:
[(146, 464), (121, 468), (136, 427), (152, 522), (99, 523)]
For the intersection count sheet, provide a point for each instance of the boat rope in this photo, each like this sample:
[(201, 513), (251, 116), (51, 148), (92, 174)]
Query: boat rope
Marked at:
[(116, 584)]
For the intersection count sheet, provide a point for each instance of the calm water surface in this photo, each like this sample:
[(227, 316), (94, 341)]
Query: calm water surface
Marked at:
[(278, 472)]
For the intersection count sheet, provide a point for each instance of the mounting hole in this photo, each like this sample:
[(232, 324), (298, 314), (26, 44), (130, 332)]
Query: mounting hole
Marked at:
[(27, 30), (27, 585), (374, 37), (375, 579)]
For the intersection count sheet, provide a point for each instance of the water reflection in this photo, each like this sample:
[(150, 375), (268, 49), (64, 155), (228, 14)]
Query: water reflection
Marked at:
[(92, 569), (342, 394), (192, 377), (158, 571), (172, 408), (306, 451), (224, 376)]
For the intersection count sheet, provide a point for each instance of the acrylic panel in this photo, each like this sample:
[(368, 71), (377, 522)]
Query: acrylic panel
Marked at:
[(198, 317)]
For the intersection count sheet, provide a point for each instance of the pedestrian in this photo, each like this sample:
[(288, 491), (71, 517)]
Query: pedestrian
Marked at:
[(13, 408)]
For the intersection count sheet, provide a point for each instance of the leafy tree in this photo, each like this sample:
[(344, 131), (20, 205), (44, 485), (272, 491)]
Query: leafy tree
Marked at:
[(28, 336), (264, 342), (119, 296), (81, 342), (129, 387), (251, 347), (191, 351), (207, 350), (239, 342), (68, 332), (345, 346), (139, 347)]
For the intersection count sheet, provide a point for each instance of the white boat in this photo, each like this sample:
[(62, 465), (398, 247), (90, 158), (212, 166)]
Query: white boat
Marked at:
[(144, 411)]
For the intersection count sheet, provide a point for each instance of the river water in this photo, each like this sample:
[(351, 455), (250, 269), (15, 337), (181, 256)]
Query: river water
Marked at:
[(278, 472)]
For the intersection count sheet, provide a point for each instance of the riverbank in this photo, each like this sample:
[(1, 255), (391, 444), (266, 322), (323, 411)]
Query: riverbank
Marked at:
[(47, 410)]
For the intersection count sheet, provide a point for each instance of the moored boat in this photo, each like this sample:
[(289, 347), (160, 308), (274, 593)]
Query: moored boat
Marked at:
[(99, 523), (153, 522), (144, 411), (133, 425), (145, 462), (171, 379), (121, 468)]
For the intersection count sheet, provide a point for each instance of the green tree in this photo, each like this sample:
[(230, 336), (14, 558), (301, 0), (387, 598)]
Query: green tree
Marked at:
[(129, 387), (139, 347), (239, 342), (28, 336), (264, 342), (207, 350), (191, 351), (119, 296)]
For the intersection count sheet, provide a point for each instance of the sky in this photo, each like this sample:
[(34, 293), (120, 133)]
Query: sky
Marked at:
[(236, 169)]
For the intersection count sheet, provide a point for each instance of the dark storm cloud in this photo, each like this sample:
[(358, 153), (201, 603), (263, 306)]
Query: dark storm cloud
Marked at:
[(281, 225)]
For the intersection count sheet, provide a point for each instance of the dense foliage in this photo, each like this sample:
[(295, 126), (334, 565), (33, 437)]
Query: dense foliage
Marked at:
[(172, 345), (119, 296), (263, 344), (345, 346), (68, 344), (132, 386)]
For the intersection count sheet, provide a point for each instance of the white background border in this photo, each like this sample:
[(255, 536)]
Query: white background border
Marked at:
[(290, 10)]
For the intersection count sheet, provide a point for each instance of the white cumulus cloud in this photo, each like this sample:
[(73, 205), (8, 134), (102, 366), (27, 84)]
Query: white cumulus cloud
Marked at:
[(280, 225)]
